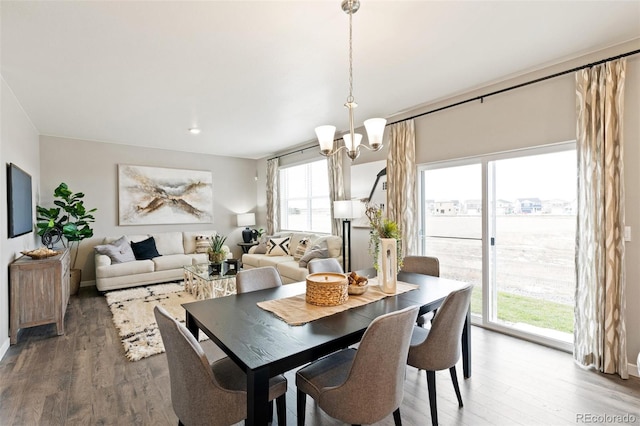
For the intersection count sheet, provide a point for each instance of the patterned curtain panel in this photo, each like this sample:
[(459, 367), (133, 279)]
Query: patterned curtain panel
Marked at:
[(401, 182), (273, 196), (600, 335), (336, 187)]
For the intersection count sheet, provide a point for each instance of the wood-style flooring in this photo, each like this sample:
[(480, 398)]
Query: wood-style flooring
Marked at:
[(83, 378)]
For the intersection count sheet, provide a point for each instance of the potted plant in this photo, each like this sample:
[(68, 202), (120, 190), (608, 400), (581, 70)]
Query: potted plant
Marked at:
[(217, 250), (71, 220), (385, 246)]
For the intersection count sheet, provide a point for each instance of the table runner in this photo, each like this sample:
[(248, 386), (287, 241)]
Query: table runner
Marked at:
[(296, 311)]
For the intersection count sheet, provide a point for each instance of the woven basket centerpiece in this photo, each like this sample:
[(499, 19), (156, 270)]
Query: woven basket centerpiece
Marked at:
[(327, 289)]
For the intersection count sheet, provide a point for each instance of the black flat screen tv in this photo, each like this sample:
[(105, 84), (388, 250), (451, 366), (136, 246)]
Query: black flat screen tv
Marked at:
[(19, 205)]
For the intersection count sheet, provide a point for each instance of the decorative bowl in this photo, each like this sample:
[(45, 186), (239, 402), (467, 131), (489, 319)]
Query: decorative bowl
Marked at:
[(41, 253), (357, 289)]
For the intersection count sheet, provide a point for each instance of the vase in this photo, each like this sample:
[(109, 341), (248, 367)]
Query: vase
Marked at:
[(216, 257), (388, 265)]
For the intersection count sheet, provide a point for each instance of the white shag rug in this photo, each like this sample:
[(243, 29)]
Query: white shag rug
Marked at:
[(132, 311)]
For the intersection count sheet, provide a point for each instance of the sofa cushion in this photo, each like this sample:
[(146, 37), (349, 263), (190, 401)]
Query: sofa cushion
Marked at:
[(121, 269), (131, 238), (317, 251), (197, 258), (296, 237), (203, 243), (168, 243), (333, 243), (118, 251), (292, 271), (278, 246), (172, 261), (145, 249)]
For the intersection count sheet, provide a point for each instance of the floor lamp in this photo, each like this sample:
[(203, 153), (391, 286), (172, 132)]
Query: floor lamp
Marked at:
[(346, 210)]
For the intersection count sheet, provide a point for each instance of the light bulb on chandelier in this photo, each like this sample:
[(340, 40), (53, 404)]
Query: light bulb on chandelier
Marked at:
[(374, 126)]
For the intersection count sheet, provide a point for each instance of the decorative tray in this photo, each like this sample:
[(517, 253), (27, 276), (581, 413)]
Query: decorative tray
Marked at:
[(41, 253)]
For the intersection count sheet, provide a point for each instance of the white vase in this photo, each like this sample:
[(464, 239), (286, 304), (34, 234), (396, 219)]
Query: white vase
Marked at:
[(388, 265)]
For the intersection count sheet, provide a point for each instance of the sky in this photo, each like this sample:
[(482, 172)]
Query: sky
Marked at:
[(546, 176)]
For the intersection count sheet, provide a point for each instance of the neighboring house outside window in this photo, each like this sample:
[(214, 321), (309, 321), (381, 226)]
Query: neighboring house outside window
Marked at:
[(305, 204)]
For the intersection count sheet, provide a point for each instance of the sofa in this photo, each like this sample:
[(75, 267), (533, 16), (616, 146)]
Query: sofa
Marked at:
[(118, 269), (290, 257)]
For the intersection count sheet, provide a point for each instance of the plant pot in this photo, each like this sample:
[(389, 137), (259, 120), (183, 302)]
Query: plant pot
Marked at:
[(216, 257), (74, 281)]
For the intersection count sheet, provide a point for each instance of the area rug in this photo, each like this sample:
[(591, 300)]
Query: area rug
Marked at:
[(132, 311)]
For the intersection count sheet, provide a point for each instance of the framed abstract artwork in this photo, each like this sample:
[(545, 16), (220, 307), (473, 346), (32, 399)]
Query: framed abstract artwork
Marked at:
[(159, 196)]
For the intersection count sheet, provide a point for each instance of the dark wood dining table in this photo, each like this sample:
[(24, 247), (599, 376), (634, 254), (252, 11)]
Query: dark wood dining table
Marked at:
[(264, 346)]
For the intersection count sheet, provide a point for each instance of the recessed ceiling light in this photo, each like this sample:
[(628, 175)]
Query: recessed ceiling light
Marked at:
[(194, 131)]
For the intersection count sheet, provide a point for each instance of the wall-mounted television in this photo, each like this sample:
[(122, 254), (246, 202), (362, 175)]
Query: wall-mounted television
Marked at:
[(19, 205)]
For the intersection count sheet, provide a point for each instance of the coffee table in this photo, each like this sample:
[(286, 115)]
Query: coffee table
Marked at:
[(205, 285)]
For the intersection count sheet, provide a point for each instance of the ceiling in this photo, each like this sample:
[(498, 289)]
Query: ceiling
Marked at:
[(258, 76)]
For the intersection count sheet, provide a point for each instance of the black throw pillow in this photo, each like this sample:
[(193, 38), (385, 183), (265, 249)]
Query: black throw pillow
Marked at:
[(145, 249)]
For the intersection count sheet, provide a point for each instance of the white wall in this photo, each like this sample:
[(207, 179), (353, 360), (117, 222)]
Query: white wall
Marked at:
[(92, 168), (18, 145)]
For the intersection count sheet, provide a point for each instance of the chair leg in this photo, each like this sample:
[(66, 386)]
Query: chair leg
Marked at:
[(281, 410), (454, 379), (396, 417), (271, 411), (431, 386), (180, 423), (301, 407)]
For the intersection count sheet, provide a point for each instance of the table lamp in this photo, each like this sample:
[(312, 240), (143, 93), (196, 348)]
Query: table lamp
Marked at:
[(247, 220), (346, 210)]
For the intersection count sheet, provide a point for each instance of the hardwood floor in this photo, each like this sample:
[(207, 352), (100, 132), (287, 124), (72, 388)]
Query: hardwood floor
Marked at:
[(84, 378)]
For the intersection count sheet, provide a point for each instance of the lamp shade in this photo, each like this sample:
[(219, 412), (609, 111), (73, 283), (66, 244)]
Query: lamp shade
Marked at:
[(347, 209), (246, 219), (325, 137), (352, 145), (375, 130)]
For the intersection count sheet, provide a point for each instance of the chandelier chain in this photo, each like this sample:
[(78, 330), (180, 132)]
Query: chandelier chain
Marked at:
[(350, 97)]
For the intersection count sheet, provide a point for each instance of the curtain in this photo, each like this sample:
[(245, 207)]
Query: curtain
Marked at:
[(599, 328), (273, 196), (336, 187), (401, 182)]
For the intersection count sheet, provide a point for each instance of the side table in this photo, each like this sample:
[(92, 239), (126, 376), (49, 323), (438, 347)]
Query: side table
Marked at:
[(246, 246)]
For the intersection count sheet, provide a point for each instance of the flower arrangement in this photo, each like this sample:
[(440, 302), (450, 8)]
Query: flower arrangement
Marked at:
[(382, 227), (217, 250)]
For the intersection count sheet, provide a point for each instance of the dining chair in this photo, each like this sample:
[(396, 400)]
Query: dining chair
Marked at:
[(439, 347), (257, 279), (362, 386), (203, 393), (425, 265), (325, 265)]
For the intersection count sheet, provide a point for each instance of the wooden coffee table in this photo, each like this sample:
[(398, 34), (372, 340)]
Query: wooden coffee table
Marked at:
[(205, 285)]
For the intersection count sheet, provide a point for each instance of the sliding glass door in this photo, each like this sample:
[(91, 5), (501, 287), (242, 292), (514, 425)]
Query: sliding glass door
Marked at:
[(506, 223)]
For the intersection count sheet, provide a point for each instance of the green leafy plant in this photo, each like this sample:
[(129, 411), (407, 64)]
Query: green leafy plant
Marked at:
[(71, 218), (382, 227), (217, 249)]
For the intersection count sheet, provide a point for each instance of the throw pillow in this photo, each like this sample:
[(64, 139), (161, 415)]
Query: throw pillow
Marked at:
[(278, 246), (203, 243), (118, 251), (318, 251), (145, 249), (261, 248), (301, 249)]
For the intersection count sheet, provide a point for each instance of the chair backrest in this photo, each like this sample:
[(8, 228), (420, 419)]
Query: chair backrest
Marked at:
[(425, 265), (442, 348), (325, 265), (257, 279), (196, 396), (375, 386)]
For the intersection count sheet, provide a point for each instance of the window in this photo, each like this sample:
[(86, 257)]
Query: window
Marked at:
[(305, 204), (506, 223)]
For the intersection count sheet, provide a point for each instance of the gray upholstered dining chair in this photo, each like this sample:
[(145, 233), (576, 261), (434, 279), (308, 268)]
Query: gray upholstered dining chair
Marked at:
[(325, 265), (439, 347), (203, 394), (425, 265), (363, 385), (257, 279)]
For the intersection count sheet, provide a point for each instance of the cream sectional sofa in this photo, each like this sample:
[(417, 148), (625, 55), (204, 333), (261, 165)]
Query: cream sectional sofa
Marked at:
[(289, 269), (176, 249)]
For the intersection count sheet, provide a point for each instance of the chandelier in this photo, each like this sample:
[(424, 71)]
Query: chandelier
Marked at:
[(374, 126)]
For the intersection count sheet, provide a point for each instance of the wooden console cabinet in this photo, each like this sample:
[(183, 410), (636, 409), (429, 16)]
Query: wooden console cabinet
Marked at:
[(38, 292)]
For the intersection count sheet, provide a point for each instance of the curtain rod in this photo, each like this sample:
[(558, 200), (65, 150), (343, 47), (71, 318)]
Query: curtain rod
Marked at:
[(481, 97)]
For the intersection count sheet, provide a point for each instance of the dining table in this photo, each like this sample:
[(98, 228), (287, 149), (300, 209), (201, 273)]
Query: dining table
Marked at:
[(265, 346)]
